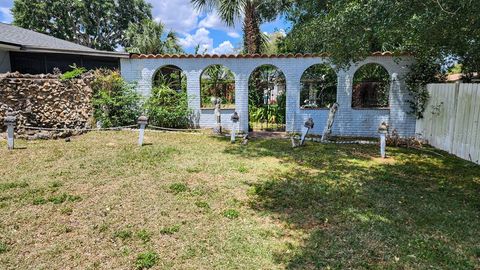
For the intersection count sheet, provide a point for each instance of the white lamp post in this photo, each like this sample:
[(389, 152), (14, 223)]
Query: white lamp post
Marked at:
[(142, 122), (383, 130), (10, 122)]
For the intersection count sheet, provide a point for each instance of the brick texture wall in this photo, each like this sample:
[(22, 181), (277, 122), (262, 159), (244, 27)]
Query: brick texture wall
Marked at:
[(348, 122)]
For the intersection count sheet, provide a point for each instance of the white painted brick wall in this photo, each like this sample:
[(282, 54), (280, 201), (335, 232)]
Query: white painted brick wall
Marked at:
[(349, 121)]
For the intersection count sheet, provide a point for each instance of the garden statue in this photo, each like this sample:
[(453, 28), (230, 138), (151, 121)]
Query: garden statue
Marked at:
[(218, 117), (10, 122), (235, 118), (331, 119)]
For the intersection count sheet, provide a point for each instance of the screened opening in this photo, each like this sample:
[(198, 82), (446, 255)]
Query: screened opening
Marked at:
[(217, 81), (171, 77), (371, 85), (267, 99), (318, 87)]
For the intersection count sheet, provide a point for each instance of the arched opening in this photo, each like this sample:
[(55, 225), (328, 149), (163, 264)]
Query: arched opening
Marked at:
[(217, 81), (167, 105), (371, 87), (318, 87), (170, 76), (267, 99)]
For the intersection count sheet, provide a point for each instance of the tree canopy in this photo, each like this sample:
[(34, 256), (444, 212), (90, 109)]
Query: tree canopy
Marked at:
[(350, 30), (149, 38), (99, 24)]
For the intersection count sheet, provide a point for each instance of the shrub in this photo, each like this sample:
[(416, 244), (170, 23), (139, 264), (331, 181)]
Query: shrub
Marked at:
[(168, 108), (146, 260), (3, 247), (72, 74), (115, 102)]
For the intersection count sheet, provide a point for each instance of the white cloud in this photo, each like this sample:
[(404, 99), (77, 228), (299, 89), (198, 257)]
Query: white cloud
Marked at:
[(225, 48), (213, 21), (7, 16), (177, 15), (202, 39)]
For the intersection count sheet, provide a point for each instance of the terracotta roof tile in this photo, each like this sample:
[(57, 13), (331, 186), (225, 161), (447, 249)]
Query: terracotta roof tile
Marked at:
[(243, 56)]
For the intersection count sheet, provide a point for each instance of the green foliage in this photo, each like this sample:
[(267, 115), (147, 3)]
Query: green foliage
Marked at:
[(146, 260), (217, 81), (74, 73), (144, 235), (170, 230), (148, 38), (115, 102), (11, 185), (100, 24), (351, 30), (371, 87), (168, 108), (123, 234), (178, 188), (231, 214), (202, 204), (322, 81), (59, 199), (3, 247), (421, 73), (252, 12)]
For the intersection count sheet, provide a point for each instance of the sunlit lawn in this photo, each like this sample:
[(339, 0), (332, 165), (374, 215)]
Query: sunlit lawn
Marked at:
[(198, 202)]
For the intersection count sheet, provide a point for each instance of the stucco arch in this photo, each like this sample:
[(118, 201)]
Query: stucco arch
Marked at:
[(141, 68)]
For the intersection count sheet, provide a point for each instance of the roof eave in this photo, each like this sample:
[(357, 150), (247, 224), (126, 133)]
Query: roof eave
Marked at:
[(87, 53)]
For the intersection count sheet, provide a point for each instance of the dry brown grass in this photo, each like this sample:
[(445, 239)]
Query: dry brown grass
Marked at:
[(100, 201)]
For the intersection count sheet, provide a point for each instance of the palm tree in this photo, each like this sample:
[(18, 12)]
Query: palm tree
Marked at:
[(149, 38), (253, 12)]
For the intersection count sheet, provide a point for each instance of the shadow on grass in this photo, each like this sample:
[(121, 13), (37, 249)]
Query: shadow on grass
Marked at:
[(419, 211)]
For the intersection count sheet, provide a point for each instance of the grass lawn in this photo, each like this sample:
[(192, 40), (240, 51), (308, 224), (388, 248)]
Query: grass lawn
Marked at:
[(197, 202)]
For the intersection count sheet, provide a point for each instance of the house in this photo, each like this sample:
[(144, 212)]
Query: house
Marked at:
[(27, 51)]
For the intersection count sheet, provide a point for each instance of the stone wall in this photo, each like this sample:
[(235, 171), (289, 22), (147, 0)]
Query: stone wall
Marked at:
[(46, 101)]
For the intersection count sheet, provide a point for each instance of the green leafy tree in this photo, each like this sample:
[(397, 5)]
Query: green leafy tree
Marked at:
[(253, 12), (438, 33), (99, 24), (149, 38)]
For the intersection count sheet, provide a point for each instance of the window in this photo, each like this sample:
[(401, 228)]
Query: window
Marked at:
[(318, 87), (371, 85), (217, 81)]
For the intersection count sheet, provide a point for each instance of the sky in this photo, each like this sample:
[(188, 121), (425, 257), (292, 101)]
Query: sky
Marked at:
[(193, 27)]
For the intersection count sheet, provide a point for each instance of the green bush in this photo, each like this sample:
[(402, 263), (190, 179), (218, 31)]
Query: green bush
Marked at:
[(74, 73), (168, 108), (115, 102)]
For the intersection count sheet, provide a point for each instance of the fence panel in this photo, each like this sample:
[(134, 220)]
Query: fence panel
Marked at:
[(451, 120)]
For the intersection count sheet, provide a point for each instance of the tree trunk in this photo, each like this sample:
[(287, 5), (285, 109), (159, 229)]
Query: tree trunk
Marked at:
[(252, 38)]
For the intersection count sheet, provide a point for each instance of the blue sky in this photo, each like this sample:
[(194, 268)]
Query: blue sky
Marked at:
[(194, 28)]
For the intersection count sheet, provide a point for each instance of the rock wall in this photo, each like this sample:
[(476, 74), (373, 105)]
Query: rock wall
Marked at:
[(46, 101)]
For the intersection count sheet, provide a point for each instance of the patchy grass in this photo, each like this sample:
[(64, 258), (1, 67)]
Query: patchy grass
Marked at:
[(146, 260), (101, 202)]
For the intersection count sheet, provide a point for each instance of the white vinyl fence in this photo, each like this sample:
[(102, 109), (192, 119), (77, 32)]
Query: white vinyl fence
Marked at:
[(451, 120)]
